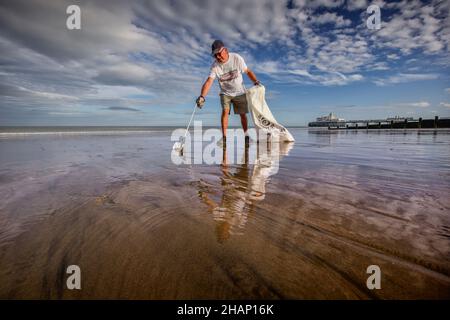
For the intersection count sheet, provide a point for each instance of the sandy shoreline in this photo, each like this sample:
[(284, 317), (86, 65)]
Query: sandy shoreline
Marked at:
[(157, 231)]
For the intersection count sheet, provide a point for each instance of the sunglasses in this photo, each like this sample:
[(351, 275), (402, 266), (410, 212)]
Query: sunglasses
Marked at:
[(215, 55)]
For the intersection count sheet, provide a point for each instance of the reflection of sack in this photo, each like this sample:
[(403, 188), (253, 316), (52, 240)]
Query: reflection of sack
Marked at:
[(266, 165), (262, 117)]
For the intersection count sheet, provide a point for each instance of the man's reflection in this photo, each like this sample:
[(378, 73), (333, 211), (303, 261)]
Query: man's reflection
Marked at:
[(241, 187)]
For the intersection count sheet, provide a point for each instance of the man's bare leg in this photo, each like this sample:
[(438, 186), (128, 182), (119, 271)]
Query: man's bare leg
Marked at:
[(244, 122), (224, 122), (245, 127)]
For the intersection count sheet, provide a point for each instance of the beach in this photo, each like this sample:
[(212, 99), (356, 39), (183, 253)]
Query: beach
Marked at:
[(141, 227)]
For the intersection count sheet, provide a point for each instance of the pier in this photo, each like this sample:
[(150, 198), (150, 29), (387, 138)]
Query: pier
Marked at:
[(407, 123)]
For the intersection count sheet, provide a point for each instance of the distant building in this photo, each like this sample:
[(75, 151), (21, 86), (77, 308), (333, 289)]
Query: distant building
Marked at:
[(327, 121)]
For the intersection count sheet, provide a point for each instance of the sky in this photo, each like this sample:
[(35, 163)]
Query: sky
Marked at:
[(143, 62)]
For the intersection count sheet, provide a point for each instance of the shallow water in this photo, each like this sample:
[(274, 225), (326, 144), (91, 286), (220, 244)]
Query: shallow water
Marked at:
[(306, 224)]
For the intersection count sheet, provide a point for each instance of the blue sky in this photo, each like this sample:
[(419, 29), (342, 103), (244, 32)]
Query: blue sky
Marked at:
[(143, 62)]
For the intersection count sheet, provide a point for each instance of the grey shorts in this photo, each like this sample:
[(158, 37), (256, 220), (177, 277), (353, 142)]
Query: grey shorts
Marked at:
[(239, 103)]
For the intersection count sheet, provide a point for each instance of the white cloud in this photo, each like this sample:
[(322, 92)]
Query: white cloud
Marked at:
[(268, 67), (294, 73), (420, 104), (333, 18), (124, 74), (357, 4), (325, 3), (406, 77), (416, 26), (325, 78), (445, 104), (393, 56)]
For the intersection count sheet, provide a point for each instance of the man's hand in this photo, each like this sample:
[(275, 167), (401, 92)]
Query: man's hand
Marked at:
[(200, 101)]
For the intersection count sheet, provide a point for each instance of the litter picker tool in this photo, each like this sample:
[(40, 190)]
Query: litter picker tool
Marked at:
[(179, 145)]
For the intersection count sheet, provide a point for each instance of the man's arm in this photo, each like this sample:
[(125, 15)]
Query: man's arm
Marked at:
[(206, 86), (251, 76), (205, 89)]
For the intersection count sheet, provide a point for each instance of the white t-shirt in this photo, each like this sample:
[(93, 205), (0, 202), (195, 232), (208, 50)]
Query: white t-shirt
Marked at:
[(230, 75)]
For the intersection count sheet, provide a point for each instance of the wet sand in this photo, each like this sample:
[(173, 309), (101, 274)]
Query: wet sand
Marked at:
[(141, 227)]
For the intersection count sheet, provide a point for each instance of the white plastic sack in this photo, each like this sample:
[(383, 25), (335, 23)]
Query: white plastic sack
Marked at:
[(262, 117)]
